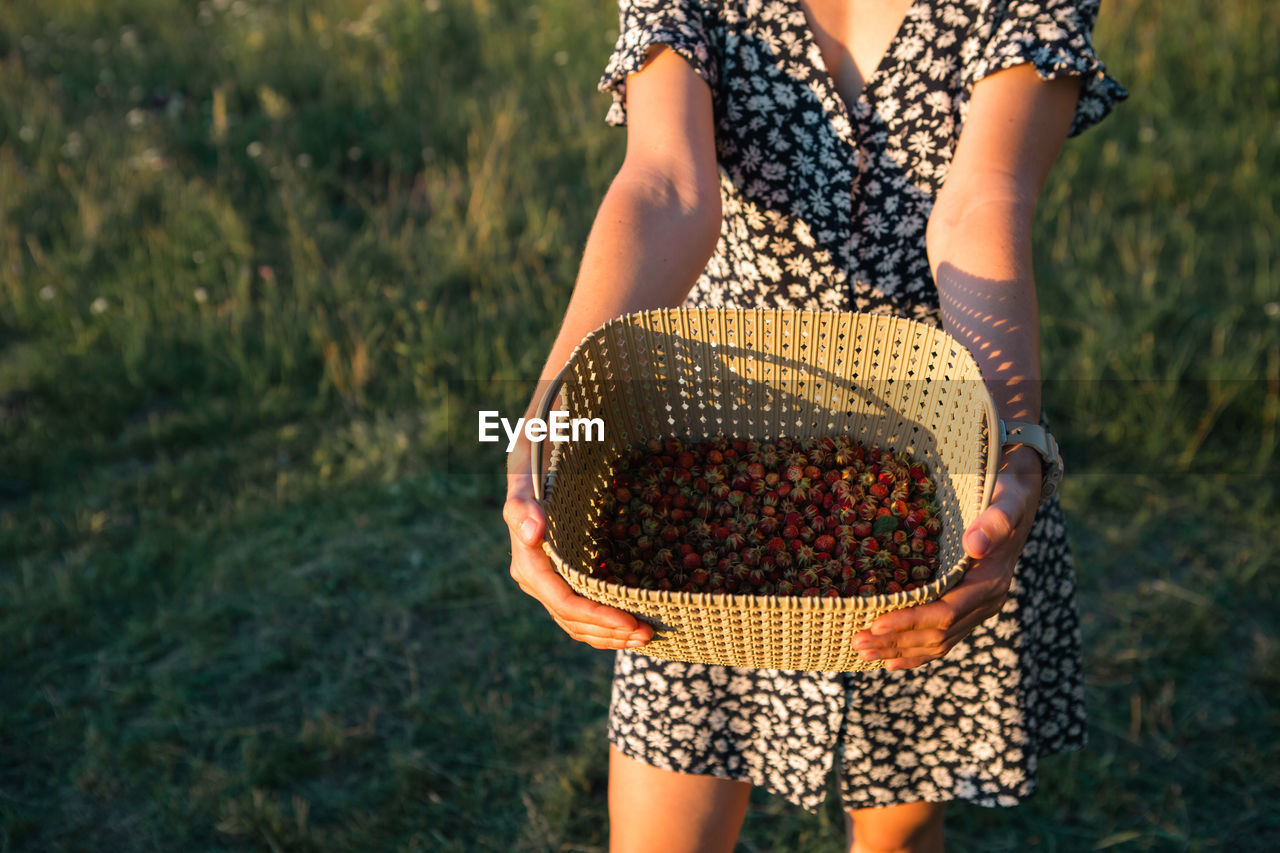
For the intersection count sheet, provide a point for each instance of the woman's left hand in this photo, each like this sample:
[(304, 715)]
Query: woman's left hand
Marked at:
[(908, 638)]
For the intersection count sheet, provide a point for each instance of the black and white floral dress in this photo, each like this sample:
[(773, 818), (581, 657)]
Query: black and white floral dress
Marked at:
[(825, 207)]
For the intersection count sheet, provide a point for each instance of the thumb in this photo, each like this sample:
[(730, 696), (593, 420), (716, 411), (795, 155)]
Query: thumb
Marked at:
[(993, 527), (526, 520)]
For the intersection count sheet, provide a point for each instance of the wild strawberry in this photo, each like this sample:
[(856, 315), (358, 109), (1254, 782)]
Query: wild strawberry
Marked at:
[(800, 490), (885, 559), (804, 555), (825, 542), (783, 587), (892, 587), (921, 573), (868, 589)]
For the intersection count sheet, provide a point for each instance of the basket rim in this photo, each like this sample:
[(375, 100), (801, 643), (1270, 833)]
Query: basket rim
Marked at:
[(883, 602)]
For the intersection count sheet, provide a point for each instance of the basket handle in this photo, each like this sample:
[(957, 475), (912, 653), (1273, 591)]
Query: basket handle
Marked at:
[(544, 408)]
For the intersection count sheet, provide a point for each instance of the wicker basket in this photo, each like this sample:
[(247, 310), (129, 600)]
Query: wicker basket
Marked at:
[(696, 373)]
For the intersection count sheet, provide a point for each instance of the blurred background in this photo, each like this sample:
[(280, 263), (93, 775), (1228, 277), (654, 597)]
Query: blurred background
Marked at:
[(255, 255)]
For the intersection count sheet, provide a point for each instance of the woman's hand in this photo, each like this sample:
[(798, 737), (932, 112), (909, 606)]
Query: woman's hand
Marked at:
[(585, 620), (908, 638)]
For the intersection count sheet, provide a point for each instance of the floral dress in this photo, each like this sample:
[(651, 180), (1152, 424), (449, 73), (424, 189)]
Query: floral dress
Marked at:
[(825, 207)]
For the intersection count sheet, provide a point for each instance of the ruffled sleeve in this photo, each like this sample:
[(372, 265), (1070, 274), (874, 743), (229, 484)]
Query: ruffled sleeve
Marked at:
[(1054, 36), (683, 25)]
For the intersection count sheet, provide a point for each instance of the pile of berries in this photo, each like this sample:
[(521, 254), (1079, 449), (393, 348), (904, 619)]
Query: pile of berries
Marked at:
[(814, 516)]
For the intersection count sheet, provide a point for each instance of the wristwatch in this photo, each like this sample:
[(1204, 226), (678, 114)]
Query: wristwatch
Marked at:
[(1013, 433)]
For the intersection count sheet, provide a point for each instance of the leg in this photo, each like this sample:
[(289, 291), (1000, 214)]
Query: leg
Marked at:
[(652, 809), (908, 828)]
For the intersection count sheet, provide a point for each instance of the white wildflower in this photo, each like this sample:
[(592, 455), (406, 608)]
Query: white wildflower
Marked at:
[(99, 305)]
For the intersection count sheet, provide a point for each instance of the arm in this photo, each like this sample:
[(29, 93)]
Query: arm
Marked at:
[(655, 230), (979, 243)]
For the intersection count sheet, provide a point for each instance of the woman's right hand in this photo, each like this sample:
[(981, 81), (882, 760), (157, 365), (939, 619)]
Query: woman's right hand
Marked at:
[(581, 618)]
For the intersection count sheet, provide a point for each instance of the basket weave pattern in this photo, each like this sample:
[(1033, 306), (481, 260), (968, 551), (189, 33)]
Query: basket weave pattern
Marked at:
[(695, 373)]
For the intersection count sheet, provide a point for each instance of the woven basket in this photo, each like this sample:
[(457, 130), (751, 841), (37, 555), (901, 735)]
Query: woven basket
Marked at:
[(696, 373)]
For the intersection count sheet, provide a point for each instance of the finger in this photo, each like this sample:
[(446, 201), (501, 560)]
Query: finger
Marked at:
[(981, 590), (581, 630), (930, 641), (906, 663), (994, 527), (533, 571), (544, 584), (594, 637), (526, 521)]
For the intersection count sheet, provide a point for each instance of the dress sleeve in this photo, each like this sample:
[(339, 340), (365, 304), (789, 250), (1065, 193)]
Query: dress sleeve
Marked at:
[(1055, 37), (683, 25)]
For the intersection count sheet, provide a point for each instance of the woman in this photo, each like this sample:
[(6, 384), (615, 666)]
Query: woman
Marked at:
[(871, 155)]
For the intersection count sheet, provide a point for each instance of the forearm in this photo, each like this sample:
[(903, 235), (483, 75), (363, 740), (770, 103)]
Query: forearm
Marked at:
[(645, 251), (980, 253)]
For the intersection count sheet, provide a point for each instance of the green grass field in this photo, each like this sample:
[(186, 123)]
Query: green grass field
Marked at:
[(255, 255)]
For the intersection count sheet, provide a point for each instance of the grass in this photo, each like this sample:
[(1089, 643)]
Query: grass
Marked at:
[(252, 589)]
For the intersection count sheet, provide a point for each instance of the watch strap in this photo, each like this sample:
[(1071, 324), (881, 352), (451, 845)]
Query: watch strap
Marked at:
[(1039, 439)]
